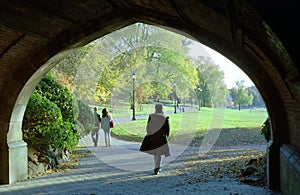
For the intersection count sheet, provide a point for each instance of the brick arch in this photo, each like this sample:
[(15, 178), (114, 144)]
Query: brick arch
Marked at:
[(35, 35)]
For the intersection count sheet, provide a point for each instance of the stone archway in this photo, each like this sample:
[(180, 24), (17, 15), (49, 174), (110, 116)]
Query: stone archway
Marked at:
[(33, 32)]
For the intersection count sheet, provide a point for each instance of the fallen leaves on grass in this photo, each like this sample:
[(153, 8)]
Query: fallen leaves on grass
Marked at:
[(214, 164)]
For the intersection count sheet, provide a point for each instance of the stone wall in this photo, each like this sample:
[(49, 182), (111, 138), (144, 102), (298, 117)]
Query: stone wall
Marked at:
[(289, 170)]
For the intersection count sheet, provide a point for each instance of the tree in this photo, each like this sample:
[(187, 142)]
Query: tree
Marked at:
[(257, 99), (155, 55), (240, 95), (211, 82), (65, 71), (105, 65)]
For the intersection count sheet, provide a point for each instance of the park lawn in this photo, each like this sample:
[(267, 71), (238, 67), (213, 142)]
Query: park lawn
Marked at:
[(248, 118), (191, 124), (122, 109)]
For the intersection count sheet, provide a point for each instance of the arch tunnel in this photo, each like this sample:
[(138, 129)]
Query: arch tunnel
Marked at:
[(259, 37)]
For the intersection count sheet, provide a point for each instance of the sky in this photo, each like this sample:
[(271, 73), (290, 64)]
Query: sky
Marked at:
[(232, 72)]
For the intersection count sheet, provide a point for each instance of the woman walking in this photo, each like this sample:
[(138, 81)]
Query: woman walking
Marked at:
[(155, 142), (106, 126)]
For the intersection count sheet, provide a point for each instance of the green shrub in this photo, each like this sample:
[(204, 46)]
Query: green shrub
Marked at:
[(69, 136), (61, 96), (41, 121), (85, 118), (266, 130), (80, 128), (50, 117)]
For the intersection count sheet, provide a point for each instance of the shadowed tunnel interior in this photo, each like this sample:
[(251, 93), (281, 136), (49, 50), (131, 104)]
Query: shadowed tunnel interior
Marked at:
[(259, 37)]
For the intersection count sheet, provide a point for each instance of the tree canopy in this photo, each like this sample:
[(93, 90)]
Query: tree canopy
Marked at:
[(240, 95), (103, 69)]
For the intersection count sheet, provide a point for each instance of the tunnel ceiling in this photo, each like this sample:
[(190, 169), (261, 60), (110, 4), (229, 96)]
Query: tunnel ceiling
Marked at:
[(33, 31)]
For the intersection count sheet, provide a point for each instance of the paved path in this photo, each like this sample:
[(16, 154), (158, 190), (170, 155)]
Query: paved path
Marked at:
[(122, 169)]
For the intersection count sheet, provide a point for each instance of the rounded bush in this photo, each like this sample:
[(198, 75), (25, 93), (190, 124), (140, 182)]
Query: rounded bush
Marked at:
[(50, 116), (61, 96), (42, 120), (266, 130), (86, 118)]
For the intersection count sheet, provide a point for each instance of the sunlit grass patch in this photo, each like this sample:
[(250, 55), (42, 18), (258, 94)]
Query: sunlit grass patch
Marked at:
[(189, 126)]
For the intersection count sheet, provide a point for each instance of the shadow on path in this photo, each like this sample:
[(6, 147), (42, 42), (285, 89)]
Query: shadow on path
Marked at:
[(122, 169)]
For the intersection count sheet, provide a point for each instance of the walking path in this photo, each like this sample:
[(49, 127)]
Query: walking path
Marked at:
[(122, 169)]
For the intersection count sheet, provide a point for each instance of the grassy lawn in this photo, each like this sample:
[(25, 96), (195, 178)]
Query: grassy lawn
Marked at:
[(122, 109), (185, 126)]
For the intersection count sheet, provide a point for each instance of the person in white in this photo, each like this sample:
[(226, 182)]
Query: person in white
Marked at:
[(105, 124)]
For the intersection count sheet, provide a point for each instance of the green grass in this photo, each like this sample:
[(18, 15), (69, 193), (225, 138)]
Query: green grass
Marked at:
[(245, 118), (195, 123), (122, 109)]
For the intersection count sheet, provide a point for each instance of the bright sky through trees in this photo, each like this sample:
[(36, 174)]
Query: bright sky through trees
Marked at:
[(231, 71)]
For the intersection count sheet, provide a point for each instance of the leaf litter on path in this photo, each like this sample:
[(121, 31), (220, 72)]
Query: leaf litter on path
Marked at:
[(229, 156)]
